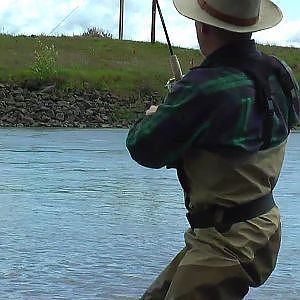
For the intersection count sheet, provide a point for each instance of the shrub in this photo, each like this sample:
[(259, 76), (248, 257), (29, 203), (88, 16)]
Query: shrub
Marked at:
[(45, 60), (97, 32)]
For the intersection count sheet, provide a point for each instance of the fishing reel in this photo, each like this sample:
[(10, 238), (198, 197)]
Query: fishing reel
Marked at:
[(176, 70)]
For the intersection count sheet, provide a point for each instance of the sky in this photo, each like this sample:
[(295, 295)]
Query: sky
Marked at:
[(71, 17)]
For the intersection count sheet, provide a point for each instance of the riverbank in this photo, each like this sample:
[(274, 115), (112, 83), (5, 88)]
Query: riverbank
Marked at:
[(31, 105), (91, 82)]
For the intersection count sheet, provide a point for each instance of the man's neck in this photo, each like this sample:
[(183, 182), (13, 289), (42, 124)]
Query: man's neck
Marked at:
[(218, 44)]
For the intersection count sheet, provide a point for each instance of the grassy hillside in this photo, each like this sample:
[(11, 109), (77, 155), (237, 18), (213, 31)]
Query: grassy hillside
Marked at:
[(122, 67)]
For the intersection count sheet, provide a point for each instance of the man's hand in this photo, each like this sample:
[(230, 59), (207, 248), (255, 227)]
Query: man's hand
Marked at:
[(151, 110)]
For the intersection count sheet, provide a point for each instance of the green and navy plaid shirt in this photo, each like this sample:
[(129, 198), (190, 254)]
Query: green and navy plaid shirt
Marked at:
[(213, 107)]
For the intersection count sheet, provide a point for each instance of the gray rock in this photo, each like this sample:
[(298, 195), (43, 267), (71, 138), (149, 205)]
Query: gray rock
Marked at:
[(48, 106), (60, 116)]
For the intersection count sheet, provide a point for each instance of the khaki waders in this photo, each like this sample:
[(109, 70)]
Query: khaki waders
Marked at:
[(215, 266), (222, 266)]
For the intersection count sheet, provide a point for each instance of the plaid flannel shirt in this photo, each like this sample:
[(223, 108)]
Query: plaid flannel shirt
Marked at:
[(212, 107)]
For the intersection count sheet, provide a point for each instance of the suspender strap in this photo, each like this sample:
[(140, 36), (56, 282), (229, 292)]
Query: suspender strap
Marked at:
[(222, 218), (290, 87), (259, 70)]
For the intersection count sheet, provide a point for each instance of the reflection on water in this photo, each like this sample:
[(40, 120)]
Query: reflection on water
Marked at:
[(80, 220)]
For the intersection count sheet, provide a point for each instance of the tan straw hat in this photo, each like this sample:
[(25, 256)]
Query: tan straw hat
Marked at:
[(232, 15)]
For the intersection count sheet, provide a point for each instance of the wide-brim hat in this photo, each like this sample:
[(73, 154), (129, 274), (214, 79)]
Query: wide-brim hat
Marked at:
[(232, 15)]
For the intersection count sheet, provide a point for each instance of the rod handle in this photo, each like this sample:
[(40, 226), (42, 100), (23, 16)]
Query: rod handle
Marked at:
[(176, 69)]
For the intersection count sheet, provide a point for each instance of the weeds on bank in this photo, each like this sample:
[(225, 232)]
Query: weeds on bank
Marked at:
[(97, 32), (45, 61)]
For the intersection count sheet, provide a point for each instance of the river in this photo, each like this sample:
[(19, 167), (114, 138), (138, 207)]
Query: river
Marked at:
[(81, 220)]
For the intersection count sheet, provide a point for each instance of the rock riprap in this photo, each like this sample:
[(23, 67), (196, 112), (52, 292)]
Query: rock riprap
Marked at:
[(48, 106)]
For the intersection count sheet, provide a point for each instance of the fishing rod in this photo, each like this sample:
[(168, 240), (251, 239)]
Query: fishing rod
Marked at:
[(175, 66)]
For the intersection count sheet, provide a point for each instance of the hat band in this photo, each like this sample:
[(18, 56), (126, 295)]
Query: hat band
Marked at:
[(226, 18)]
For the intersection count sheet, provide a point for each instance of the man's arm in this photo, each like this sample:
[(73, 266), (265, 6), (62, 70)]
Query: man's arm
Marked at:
[(162, 136)]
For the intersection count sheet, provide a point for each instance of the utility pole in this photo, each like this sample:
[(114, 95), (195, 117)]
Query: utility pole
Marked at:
[(153, 21), (121, 20)]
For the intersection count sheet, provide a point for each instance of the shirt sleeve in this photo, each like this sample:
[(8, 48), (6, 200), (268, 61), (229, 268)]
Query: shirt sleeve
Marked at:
[(159, 139)]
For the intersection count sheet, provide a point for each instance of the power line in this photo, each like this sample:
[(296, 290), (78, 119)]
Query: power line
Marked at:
[(65, 18)]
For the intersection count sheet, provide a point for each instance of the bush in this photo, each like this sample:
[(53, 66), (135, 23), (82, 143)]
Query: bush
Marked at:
[(45, 60), (97, 32)]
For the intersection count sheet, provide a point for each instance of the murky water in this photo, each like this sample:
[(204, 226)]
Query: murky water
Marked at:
[(80, 220)]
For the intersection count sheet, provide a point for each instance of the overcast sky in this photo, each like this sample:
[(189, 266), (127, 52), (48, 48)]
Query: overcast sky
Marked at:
[(75, 16)]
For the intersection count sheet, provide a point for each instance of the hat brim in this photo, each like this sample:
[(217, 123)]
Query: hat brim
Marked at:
[(270, 15)]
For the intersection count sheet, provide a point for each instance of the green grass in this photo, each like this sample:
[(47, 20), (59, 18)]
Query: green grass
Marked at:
[(122, 67)]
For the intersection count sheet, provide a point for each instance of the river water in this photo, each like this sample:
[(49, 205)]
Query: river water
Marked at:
[(81, 220)]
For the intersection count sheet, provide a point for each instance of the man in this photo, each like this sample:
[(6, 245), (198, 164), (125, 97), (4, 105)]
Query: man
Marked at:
[(224, 128)]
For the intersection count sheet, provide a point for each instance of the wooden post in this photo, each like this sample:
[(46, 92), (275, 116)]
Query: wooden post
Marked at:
[(121, 20), (153, 21)]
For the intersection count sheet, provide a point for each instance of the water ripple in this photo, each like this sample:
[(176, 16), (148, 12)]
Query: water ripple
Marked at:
[(80, 220)]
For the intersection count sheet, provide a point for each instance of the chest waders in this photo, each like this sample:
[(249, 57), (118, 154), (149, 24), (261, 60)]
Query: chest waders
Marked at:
[(259, 70)]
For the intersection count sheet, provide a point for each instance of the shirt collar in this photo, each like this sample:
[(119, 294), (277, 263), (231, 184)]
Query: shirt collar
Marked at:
[(238, 49)]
